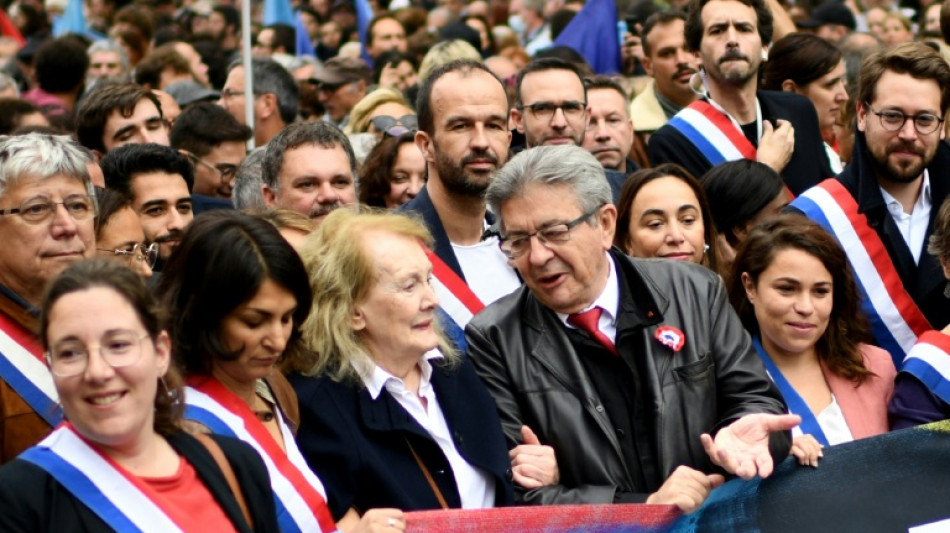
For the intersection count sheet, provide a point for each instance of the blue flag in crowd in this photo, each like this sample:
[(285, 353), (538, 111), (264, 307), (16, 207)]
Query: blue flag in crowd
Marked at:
[(364, 14), (304, 44), (593, 34), (73, 20), (278, 12)]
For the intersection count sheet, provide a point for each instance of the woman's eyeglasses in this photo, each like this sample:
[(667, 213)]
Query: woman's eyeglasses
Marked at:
[(138, 253)]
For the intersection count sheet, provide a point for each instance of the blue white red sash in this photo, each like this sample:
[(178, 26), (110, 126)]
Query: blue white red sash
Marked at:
[(22, 366), (796, 404), (713, 133), (298, 493), (457, 303), (120, 499), (895, 319), (929, 361)]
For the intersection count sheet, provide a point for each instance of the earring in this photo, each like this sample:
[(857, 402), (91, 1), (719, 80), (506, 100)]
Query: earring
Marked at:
[(170, 394), (946, 290)]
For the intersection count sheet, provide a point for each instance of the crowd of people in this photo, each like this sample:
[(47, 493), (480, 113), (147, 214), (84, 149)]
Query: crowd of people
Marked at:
[(451, 266)]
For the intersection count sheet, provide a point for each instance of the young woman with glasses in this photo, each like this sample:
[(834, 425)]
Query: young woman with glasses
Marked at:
[(119, 234), (121, 461)]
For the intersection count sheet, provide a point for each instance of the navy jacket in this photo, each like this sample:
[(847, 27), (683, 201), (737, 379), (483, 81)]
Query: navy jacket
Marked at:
[(359, 449)]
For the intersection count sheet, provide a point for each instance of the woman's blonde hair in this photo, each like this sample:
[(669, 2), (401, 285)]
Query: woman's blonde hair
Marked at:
[(446, 52), (360, 114), (342, 271)]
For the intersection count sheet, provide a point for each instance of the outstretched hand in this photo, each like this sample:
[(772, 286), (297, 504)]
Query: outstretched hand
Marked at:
[(742, 447)]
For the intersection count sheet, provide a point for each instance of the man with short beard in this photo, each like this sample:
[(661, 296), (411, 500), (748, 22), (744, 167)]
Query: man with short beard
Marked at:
[(884, 204), (158, 181), (734, 119), (463, 135)]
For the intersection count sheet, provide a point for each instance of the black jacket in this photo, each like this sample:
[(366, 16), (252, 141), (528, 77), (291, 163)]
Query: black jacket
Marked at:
[(523, 354), (923, 281), (358, 447), (809, 163), (32, 501)]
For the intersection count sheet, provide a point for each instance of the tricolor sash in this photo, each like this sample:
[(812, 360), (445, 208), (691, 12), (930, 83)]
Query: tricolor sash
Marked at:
[(713, 133), (457, 303), (895, 319), (298, 493), (120, 499), (796, 404), (22, 366), (929, 361)]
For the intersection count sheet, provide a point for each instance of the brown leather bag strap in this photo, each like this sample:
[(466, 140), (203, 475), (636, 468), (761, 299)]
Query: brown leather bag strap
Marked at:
[(425, 472), (218, 455)]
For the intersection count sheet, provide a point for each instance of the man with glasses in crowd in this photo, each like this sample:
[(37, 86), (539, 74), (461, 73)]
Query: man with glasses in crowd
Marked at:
[(884, 203), (157, 180), (46, 224), (613, 360), (276, 97), (215, 142), (551, 108), (341, 83)]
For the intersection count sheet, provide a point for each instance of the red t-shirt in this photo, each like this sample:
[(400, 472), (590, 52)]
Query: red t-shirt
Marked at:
[(183, 493)]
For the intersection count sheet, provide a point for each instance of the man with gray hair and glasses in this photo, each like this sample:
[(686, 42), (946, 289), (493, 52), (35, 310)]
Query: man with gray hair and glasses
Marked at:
[(613, 360), (47, 209), (276, 97)]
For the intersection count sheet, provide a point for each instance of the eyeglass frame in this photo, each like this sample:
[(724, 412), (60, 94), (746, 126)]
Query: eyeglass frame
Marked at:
[(546, 242), (143, 254), (533, 108), (227, 94), (52, 211), (904, 116), (50, 360), (232, 169)]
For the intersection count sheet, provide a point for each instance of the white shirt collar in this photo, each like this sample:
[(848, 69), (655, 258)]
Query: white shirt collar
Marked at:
[(923, 199), (379, 378)]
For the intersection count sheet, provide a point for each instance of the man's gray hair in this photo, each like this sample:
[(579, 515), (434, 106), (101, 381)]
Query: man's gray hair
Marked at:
[(41, 156), (247, 192), (269, 77), (551, 165), (108, 45), (322, 134)]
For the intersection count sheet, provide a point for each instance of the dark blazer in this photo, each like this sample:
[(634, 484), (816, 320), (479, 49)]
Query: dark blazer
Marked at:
[(358, 446), (442, 246), (522, 351), (924, 280), (32, 501), (809, 163)]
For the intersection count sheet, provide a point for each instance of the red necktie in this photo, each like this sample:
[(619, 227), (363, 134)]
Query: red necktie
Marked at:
[(587, 321)]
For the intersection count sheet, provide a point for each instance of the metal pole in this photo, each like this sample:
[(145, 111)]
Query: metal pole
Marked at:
[(248, 73)]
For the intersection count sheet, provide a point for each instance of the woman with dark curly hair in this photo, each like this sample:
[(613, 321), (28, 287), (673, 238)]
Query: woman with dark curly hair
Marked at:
[(393, 173), (793, 289)]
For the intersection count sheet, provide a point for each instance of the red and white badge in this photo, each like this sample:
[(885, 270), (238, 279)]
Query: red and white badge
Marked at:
[(670, 336)]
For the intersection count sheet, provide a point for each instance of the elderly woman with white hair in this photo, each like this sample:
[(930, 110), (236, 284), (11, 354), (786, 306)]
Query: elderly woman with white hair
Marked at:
[(390, 414), (47, 207)]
